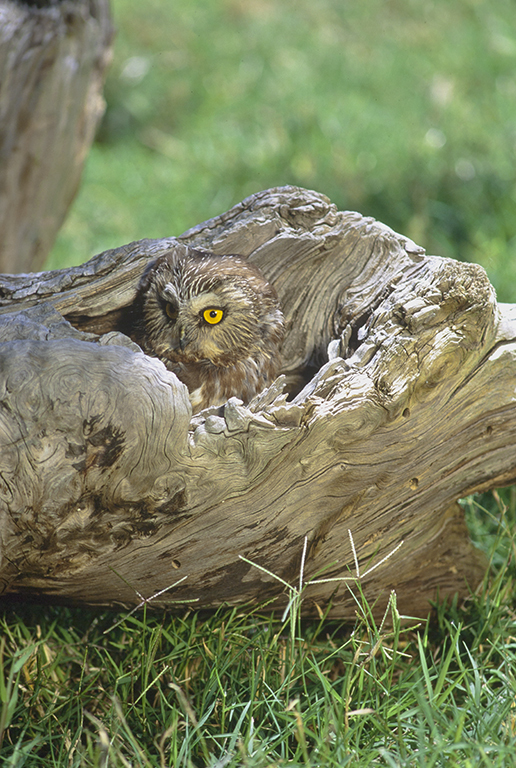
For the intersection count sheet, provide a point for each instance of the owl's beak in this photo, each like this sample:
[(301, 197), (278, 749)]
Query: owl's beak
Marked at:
[(183, 341)]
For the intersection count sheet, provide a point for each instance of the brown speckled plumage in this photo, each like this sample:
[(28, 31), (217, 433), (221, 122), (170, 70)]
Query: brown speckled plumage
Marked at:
[(236, 355)]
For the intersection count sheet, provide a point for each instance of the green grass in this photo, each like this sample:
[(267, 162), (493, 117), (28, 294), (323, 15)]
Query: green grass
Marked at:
[(239, 688), (404, 110)]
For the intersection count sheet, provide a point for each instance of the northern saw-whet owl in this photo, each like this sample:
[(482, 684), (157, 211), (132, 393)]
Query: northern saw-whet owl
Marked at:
[(214, 321)]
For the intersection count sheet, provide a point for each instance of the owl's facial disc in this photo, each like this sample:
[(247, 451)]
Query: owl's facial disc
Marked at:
[(192, 324), (196, 334)]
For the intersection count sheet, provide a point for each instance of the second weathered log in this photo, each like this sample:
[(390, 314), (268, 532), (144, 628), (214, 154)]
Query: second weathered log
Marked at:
[(53, 59)]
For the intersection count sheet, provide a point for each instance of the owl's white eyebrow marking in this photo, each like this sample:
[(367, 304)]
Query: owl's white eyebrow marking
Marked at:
[(169, 292), (205, 300)]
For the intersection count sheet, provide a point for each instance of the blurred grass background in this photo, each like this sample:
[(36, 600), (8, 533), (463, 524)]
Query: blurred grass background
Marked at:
[(404, 110)]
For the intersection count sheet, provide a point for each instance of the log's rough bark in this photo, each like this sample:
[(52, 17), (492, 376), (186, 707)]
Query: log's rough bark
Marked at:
[(108, 485), (53, 59)]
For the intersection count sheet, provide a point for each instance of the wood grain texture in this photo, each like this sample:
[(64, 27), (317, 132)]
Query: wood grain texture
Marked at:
[(53, 60), (107, 485)]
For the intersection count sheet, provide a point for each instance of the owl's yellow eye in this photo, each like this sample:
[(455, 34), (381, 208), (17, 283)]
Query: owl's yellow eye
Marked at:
[(171, 311), (212, 315)]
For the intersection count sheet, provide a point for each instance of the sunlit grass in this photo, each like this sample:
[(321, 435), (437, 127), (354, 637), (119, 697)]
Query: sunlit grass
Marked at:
[(240, 688)]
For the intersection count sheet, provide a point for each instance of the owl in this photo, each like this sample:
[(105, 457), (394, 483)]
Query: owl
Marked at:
[(214, 321)]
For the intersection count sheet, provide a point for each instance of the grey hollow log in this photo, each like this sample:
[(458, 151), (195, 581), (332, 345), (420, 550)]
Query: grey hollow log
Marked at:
[(109, 489)]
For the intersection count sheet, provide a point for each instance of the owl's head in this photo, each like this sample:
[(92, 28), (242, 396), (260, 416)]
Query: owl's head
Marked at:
[(199, 306)]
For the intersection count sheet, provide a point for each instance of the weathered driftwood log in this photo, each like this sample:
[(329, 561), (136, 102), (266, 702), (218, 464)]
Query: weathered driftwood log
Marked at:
[(53, 58), (108, 486)]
